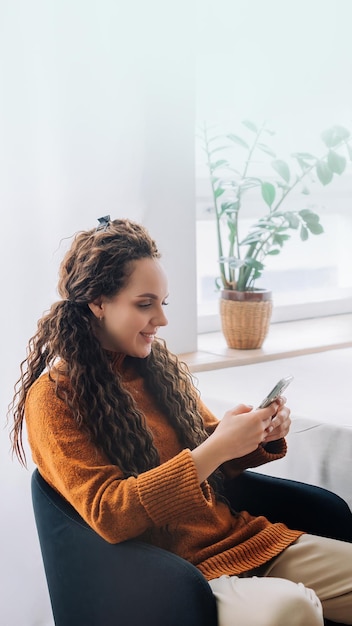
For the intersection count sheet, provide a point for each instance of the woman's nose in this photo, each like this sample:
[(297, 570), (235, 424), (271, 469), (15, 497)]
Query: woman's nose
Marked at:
[(161, 319)]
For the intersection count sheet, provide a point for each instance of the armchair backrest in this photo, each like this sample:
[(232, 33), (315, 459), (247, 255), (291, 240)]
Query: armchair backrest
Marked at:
[(94, 583)]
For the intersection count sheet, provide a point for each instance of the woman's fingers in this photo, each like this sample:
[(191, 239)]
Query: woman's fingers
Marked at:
[(279, 425)]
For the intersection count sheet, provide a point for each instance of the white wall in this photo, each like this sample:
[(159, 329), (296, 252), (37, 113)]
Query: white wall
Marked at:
[(96, 117)]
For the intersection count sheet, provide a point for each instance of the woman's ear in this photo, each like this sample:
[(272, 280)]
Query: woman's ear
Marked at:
[(97, 308)]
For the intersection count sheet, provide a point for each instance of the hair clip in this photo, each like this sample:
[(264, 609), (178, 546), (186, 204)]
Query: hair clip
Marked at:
[(103, 222)]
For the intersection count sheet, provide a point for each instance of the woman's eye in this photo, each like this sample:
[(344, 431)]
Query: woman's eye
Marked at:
[(144, 305)]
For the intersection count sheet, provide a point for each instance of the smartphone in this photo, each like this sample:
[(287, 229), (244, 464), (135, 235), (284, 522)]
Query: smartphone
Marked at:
[(276, 392)]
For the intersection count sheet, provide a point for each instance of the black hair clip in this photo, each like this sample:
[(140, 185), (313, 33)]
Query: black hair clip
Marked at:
[(103, 222)]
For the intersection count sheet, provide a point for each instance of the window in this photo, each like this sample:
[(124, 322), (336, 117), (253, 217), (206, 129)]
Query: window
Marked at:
[(287, 64)]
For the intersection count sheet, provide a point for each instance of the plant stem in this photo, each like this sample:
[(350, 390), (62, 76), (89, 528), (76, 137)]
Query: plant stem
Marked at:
[(217, 216), (243, 274)]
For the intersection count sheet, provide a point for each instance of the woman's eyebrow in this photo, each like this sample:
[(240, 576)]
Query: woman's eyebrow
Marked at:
[(147, 295), (153, 296)]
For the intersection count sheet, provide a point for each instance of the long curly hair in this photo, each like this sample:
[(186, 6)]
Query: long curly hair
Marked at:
[(99, 263)]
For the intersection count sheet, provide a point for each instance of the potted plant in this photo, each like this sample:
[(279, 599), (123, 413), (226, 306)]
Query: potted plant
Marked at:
[(242, 257)]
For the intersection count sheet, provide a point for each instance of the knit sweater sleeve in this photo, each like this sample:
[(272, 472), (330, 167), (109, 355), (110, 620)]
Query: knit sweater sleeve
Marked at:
[(117, 508), (263, 454)]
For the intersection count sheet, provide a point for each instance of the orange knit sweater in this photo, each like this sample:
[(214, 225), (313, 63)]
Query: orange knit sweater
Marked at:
[(165, 506)]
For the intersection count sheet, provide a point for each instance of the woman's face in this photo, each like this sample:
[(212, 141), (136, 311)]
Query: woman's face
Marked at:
[(129, 321)]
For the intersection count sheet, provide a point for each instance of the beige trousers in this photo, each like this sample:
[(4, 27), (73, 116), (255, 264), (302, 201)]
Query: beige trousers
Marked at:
[(309, 580)]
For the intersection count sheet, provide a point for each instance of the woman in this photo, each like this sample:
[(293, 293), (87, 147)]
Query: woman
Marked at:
[(116, 426)]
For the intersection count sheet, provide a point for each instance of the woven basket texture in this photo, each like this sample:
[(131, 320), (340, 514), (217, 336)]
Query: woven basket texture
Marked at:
[(245, 324)]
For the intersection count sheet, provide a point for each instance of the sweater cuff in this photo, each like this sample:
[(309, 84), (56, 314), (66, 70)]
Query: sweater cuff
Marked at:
[(266, 453), (171, 490)]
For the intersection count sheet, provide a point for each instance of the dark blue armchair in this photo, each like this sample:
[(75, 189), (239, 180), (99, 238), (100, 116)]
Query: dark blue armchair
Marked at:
[(94, 583)]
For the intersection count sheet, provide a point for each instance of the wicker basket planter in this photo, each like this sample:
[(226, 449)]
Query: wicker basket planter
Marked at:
[(245, 317)]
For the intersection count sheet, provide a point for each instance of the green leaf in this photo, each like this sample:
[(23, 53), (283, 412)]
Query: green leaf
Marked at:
[(274, 251), (315, 228), (218, 149), (257, 274), (218, 283), (258, 270), (305, 190), (292, 219), (324, 172), (268, 193), (218, 163), (264, 148), (267, 223), (308, 216), (349, 150), (282, 168), (254, 263), (304, 234), (238, 140), (336, 162), (250, 125), (280, 239), (230, 207), (334, 135), (312, 221), (304, 155), (252, 238), (249, 182), (218, 192)]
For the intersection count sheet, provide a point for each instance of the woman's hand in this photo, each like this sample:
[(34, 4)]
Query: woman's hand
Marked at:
[(280, 423), (240, 432)]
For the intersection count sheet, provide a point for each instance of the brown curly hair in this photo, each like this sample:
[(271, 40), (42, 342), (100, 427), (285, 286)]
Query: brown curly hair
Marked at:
[(99, 263)]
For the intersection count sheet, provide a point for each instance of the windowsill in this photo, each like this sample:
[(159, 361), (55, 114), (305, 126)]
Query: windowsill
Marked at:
[(285, 339)]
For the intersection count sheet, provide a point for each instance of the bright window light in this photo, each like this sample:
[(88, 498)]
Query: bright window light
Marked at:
[(287, 64)]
